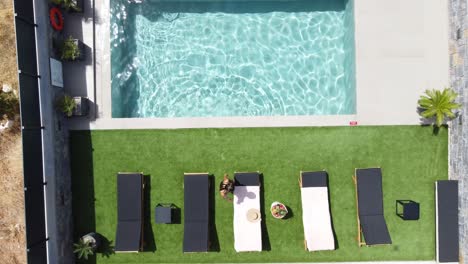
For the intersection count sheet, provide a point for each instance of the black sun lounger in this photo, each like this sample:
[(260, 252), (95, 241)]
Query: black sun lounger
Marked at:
[(447, 221), (196, 212), (129, 237), (371, 221)]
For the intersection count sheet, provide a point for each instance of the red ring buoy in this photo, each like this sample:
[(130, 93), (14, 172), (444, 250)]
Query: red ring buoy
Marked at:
[(56, 18)]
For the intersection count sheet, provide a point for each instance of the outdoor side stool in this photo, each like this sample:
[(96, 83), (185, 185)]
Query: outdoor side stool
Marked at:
[(408, 209), (163, 213)]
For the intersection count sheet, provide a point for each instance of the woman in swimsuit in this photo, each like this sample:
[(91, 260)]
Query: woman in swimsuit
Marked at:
[(225, 187)]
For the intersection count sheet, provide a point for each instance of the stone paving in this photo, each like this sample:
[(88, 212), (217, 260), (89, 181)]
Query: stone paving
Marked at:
[(458, 148)]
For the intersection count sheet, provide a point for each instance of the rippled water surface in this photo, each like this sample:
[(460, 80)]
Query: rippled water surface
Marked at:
[(232, 58)]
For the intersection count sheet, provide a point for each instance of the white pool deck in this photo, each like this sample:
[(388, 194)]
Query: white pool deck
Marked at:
[(402, 49)]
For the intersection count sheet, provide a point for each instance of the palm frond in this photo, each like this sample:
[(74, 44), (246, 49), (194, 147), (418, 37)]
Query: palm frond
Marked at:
[(438, 104)]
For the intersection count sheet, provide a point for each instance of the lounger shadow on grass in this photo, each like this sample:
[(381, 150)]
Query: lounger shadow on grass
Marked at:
[(149, 243), (266, 246), (337, 244), (213, 232)]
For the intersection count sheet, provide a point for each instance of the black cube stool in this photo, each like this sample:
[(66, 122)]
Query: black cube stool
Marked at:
[(163, 213), (410, 209)]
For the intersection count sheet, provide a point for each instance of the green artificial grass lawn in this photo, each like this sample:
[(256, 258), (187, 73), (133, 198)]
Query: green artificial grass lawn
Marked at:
[(411, 158)]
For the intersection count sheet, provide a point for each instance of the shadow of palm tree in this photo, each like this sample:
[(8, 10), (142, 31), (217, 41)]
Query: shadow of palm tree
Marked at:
[(106, 248)]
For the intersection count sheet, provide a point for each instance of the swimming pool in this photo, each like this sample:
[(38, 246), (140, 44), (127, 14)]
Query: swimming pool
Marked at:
[(232, 58)]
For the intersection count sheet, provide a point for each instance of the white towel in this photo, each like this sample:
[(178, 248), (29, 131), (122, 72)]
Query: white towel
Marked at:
[(247, 235), (316, 218)]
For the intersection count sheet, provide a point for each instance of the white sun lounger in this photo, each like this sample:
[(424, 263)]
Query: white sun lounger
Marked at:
[(247, 234), (318, 233)]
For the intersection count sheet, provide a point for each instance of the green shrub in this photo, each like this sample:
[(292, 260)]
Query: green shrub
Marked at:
[(67, 5), (83, 249), (66, 104), (70, 50), (9, 105)]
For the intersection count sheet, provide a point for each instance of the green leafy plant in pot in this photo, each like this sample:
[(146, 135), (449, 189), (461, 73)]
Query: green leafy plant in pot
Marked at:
[(278, 210), (83, 249), (70, 49), (69, 5), (438, 106), (66, 104)]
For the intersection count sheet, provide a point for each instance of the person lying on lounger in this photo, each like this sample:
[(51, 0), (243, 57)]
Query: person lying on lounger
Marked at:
[(225, 187)]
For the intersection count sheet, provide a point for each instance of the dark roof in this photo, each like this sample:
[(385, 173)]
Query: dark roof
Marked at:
[(314, 179), (247, 178)]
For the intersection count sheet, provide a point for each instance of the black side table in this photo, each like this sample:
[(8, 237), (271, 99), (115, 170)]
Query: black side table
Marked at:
[(410, 209), (163, 213)]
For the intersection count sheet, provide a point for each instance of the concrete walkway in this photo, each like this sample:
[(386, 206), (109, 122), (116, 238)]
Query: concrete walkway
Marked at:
[(401, 50)]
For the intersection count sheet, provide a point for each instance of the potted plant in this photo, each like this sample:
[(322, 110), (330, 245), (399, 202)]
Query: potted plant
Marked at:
[(438, 106), (83, 249), (73, 106), (87, 245), (81, 106), (66, 104), (72, 49), (278, 210), (72, 6)]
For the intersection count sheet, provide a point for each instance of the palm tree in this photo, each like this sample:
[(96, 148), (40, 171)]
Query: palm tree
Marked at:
[(439, 105), (83, 249)]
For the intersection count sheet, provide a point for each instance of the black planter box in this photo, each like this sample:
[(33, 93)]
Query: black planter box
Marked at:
[(82, 106)]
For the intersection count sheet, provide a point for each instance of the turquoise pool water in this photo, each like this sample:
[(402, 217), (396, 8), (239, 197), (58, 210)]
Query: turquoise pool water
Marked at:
[(232, 58)]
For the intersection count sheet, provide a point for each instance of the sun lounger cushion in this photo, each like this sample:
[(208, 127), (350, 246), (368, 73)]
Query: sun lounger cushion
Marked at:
[(316, 215), (447, 221), (370, 206), (247, 235), (196, 213), (247, 179), (375, 230), (128, 236), (129, 212)]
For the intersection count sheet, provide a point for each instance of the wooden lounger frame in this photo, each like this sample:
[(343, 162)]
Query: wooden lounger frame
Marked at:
[(142, 241), (196, 173)]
